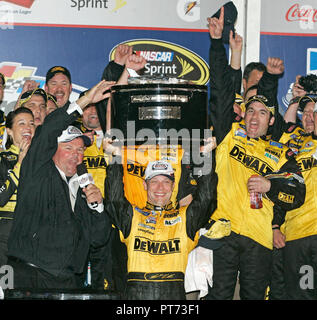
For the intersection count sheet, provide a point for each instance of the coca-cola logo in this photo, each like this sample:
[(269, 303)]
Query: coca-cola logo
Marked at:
[(301, 13)]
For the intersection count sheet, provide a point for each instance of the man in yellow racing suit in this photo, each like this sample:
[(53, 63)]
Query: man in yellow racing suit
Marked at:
[(160, 235)]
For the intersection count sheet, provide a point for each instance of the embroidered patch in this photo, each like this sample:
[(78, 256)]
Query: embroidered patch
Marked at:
[(240, 133), (172, 222)]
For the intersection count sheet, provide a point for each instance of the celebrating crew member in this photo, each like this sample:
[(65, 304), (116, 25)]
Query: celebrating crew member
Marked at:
[(247, 163), (20, 129), (159, 236), (55, 221)]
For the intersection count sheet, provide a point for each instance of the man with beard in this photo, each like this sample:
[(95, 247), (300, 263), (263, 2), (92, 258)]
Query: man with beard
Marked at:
[(59, 84)]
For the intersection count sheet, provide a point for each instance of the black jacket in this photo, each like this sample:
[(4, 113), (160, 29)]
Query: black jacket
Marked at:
[(46, 231)]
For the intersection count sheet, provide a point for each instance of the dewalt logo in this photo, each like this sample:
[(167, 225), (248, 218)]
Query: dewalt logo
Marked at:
[(170, 60), (95, 162), (239, 153), (287, 198), (136, 170), (157, 247), (307, 163)]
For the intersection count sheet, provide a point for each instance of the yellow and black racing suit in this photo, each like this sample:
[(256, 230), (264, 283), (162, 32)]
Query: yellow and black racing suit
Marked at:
[(300, 225), (9, 179), (248, 249), (158, 239)]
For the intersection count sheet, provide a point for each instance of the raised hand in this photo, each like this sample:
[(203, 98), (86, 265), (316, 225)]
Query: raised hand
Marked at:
[(135, 62), (29, 85), (215, 25), (97, 93), (275, 65), (24, 147), (236, 42), (123, 51), (297, 89)]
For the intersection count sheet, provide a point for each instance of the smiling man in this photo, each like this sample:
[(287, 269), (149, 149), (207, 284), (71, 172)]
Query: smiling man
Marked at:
[(59, 84), (35, 100), (252, 163), (160, 235), (258, 117), (55, 224), (247, 162)]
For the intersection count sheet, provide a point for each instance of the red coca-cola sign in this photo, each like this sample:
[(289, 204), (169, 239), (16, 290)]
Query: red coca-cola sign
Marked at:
[(301, 13), (22, 3)]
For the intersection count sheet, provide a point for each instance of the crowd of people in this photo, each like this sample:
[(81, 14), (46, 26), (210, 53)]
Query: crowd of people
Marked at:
[(184, 232)]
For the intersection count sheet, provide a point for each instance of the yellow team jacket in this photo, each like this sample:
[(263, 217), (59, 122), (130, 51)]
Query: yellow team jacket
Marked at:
[(10, 184), (159, 259), (96, 163), (302, 222), (237, 159)]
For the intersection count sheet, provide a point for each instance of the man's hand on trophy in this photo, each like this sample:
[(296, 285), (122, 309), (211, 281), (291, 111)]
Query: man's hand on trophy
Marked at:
[(210, 145), (109, 148)]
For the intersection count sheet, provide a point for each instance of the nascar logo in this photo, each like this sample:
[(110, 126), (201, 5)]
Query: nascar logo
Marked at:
[(170, 60), (156, 55)]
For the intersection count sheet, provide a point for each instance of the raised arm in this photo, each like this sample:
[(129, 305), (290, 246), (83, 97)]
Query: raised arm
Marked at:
[(223, 84)]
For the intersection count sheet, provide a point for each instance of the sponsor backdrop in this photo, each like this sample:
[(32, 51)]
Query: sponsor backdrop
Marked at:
[(289, 31), (82, 35)]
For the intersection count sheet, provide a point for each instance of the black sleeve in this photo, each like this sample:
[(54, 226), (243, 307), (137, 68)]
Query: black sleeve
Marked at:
[(44, 143), (223, 86), (117, 206), (112, 72), (288, 189), (99, 249), (268, 87), (187, 184), (204, 203), (278, 216)]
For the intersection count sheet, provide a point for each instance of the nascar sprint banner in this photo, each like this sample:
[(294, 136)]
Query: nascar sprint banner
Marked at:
[(119, 13), (82, 35), (289, 32)]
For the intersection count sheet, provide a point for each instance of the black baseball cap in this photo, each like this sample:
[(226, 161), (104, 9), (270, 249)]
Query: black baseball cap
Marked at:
[(305, 99), (26, 96), (58, 69), (230, 17), (261, 99)]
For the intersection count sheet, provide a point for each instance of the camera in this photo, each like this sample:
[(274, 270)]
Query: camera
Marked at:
[(309, 83)]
